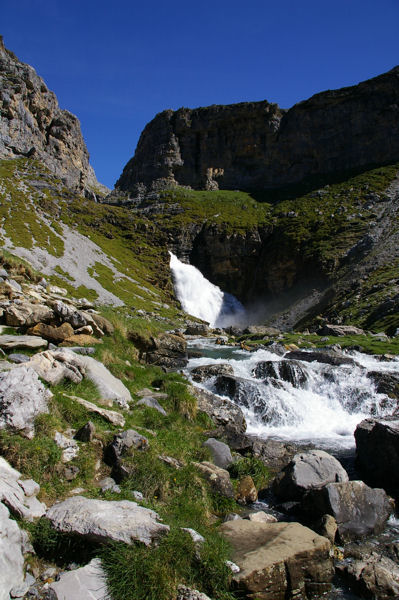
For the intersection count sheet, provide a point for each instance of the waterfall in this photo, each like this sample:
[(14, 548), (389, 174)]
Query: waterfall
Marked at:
[(201, 298)]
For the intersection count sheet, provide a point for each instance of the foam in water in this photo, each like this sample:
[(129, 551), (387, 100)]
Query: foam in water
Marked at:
[(325, 408), (201, 298)]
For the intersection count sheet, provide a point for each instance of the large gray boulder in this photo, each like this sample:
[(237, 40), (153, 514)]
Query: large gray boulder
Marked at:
[(85, 583), (307, 471), (123, 443), (358, 509), (279, 561), (19, 495), (54, 368), (330, 358), (11, 557), (223, 412), (69, 314), (220, 452), (104, 521), (22, 398), (287, 370), (377, 450), (109, 386)]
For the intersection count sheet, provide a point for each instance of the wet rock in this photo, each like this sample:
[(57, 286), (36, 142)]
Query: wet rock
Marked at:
[(207, 371), (279, 561), (11, 557), (31, 342), (290, 371), (385, 383), (152, 403), (22, 398), (217, 477), (246, 492), (14, 496), (358, 509), (371, 576), (123, 443), (340, 330), (377, 452), (103, 521), (88, 582), (333, 358), (307, 471), (242, 391), (86, 433), (220, 452), (27, 314), (56, 335), (223, 412)]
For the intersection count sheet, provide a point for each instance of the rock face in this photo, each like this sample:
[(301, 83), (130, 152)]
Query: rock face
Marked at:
[(307, 471), (358, 509), (377, 448), (371, 575), (279, 561), (103, 521), (257, 145), (32, 124)]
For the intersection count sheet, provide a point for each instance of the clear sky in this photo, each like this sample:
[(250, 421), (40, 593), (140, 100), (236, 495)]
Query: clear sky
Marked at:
[(115, 64)]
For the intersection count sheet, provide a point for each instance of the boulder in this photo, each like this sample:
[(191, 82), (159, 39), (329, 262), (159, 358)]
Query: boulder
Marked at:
[(308, 471), (201, 329), (377, 452), (27, 314), (260, 516), (287, 370), (167, 350), (370, 575), (279, 561), (109, 387), (69, 446), (18, 495), (220, 452), (340, 330), (330, 358), (88, 582), (358, 509), (103, 323), (273, 453), (18, 359), (30, 342), (123, 443), (54, 368), (186, 593), (207, 371), (86, 433), (56, 335), (22, 398), (152, 403), (68, 314), (217, 477), (223, 412), (104, 521), (11, 554), (246, 492)]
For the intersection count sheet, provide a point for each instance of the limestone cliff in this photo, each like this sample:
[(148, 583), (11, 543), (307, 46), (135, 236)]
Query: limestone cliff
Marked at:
[(257, 146), (32, 124)]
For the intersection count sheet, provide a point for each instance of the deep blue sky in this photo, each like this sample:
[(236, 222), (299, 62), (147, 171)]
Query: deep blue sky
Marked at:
[(116, 64)]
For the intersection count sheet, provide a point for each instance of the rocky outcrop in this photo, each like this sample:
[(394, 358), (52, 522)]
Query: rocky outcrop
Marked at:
[(224, 413), (11, 557), (257, 145), (279, 561), (33, 125)]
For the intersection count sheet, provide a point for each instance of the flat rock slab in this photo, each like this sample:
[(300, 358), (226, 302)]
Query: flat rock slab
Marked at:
[(110, 415), (279, 561), (11, 558), (86, 583), (7, 342), (104, 521), (22, 398)]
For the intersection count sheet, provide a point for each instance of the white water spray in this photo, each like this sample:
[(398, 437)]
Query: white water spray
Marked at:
[(201, 298)]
